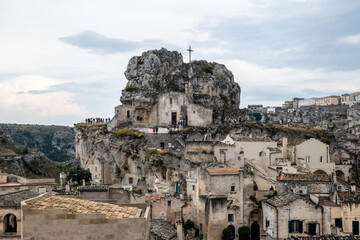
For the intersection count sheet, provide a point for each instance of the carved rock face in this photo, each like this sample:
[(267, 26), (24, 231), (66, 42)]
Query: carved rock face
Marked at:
[(160, 71)]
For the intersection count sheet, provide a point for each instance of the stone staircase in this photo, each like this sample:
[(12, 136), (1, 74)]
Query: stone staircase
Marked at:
[(155, 139)]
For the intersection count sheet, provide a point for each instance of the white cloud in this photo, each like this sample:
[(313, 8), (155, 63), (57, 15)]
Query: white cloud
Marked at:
[(16, 100), (290, 81), (352, 40)]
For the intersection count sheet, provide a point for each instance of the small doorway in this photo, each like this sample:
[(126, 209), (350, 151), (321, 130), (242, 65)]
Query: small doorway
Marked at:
[(355, 227), (232, 228), (10, 223), (255, 231), (173, 118)]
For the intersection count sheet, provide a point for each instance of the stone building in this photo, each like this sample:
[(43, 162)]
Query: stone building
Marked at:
[(345, 216), (311, 154), (162, 90), (294, 215), (307, 102), (303, 184), (12, 183), (10, 213), (350, 99), (329, 100), (217, 196), (55, 217)]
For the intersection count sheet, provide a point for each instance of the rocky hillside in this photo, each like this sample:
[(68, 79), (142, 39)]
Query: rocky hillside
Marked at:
[(156, 72), (18, 159), (56, 142)]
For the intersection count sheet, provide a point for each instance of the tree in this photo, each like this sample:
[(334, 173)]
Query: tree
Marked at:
[(244, 233), (227, 234), (78, 174)]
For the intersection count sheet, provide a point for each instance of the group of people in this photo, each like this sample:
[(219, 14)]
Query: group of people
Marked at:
[(97, 120)]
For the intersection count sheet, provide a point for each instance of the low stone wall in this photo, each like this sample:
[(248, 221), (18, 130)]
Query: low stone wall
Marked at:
[(54, 224)]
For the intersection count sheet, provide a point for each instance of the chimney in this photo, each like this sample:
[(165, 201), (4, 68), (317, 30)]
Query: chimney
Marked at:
[(284, 147)]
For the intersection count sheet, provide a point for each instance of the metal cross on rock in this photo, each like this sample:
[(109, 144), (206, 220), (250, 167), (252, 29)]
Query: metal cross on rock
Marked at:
[(190, 50)]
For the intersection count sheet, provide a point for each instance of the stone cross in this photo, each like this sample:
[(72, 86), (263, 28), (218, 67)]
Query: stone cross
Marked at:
[(190, 50)]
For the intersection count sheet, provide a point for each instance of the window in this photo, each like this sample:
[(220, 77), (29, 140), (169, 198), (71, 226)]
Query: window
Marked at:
[(131, 180), (307, 159), (10, 223), (338, 222), (128, 114), (295, 226), (321, 158), (171, 101), (200, 227), (232, 188), (267, 223), (169, 203), (230, 217), (260, 154), (193, 187), (312, 228)]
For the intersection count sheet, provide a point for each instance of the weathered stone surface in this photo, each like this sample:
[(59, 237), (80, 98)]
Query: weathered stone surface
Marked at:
[(199, 85)]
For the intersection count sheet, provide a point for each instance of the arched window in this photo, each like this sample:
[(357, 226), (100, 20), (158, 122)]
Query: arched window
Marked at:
[(10, 224)]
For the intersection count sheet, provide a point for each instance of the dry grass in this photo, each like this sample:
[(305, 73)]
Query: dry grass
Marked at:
[(5, 152), (90, 124), (128, 132)]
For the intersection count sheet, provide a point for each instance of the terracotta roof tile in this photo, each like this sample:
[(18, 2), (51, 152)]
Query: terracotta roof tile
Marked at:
[(80, 206), (223, 171), (305, 177), (283, 200), (153, 197)]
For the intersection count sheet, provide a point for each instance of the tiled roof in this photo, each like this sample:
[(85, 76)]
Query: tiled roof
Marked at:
[(304, 177), (162, 229), (14, 199), (223, 171), (80, 206), (153, 197), (327, 237), (350, 196), (283, 200), (91, 188)]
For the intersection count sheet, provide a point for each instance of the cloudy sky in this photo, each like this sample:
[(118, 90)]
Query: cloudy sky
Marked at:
[(63, 61)]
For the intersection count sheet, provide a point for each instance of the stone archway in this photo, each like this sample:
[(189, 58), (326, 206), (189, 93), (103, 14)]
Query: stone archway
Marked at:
[(255, 231), (10, 223), (320, 172), (340, 174)]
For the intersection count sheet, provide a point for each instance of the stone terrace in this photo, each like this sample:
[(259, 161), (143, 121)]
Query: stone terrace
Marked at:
[(80, 206)]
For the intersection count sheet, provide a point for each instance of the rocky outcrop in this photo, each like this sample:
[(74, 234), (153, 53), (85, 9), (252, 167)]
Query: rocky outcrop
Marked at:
[(201, 90), (159, 71), (56, 142), (118, 156), (17, 159)]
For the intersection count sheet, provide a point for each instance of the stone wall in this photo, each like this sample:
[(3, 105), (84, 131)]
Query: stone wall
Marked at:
[(57, 224)]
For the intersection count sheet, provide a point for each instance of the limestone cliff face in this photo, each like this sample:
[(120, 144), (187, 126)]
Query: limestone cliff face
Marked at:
[(200, 90), (128, 159), (160, 71)]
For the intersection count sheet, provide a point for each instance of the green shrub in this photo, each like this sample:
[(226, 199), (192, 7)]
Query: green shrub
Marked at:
[(257, 116), (25, 150), (189, 224), (244, 233), (126, 168), (208, 69), (227, 234), (131, 88), (201, 235)]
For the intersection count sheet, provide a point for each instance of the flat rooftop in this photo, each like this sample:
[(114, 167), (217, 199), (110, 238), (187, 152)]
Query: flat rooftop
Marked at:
[(81, 206)]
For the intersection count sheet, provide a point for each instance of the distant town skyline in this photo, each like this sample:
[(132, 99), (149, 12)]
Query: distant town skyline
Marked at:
[(62, 62)]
